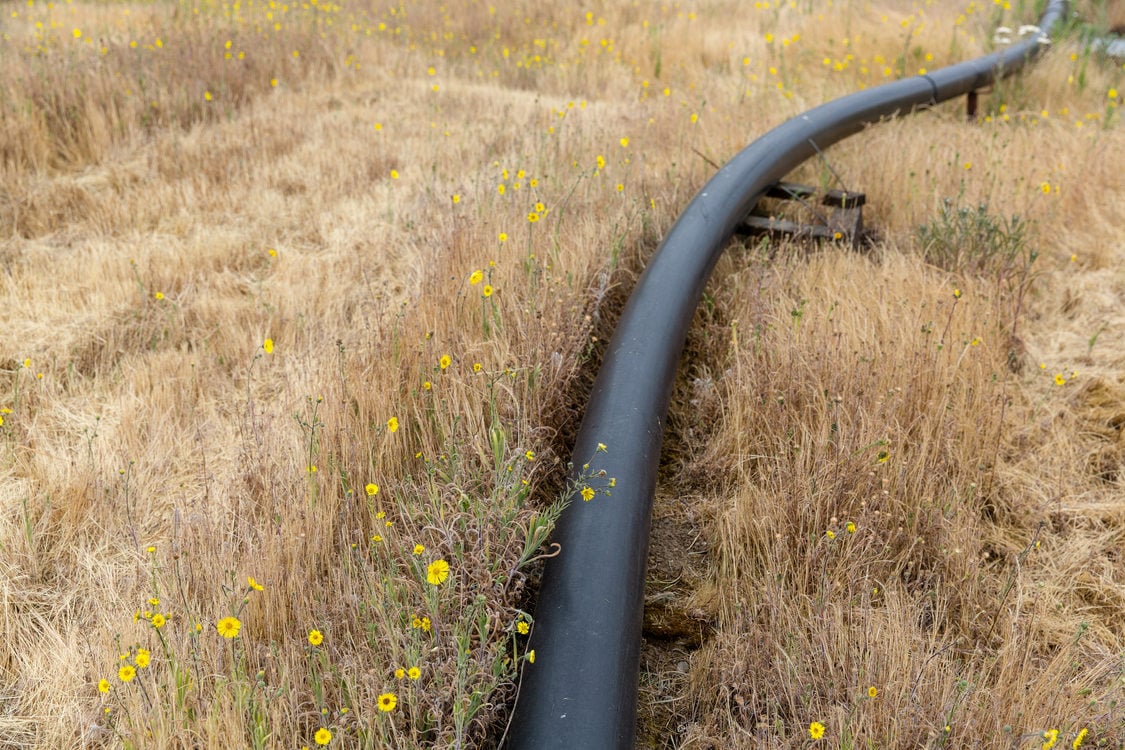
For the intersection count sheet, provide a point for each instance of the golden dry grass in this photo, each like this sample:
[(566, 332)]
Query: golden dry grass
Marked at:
[(149, 251)]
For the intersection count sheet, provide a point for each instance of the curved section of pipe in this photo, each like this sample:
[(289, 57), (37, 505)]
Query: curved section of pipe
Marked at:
[(581, 691)]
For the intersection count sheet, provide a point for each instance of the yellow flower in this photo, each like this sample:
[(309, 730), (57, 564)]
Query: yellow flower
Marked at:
[(475, 277), (588, 493), (427, 385), (126, 673), (601, 448), (476, 366), (77, 33), (624, 143), (1112, 93), (323, 736), (371, 489), (1045, 187), (143, 657), (254, 584), (850, 527), (228, 627), (392, 424), (533, 217), (316, 637), (268, 346), (540, 207), (414, 673), (522, 627), (400, 672), (158, 295), (103, 685), (1050, 737), (816, 730), (394, 174), (956, 294), (486, 291), (437, 572), (1059, 379), (531, 656), (503, 236), (419, 549), (530, 455), (158, 621), (387, 702), (872, 691), (456, 198), (445, 361), (207, 95), (830, 534), (1079, 739)]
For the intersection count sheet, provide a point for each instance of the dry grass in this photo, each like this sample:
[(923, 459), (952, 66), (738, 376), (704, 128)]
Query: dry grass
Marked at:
[(150, 251)]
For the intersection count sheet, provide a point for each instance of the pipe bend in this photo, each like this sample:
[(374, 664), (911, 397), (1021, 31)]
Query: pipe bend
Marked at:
[(581, 692)]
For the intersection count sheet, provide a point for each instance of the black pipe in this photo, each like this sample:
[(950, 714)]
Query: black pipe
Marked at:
[(581, 691)]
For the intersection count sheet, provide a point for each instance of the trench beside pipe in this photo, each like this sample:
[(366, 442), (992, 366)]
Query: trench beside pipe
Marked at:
[(581, 692)]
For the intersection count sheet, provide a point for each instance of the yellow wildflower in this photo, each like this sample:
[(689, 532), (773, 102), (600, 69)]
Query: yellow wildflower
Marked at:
[(437, 572), (316, 637), (387, 702), (228, 627)]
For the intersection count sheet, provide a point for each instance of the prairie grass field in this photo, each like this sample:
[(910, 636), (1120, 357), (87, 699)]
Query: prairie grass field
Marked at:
[(299, 305)]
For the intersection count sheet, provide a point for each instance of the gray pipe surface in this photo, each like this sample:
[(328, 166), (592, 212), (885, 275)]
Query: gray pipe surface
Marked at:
[(581, 691)]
